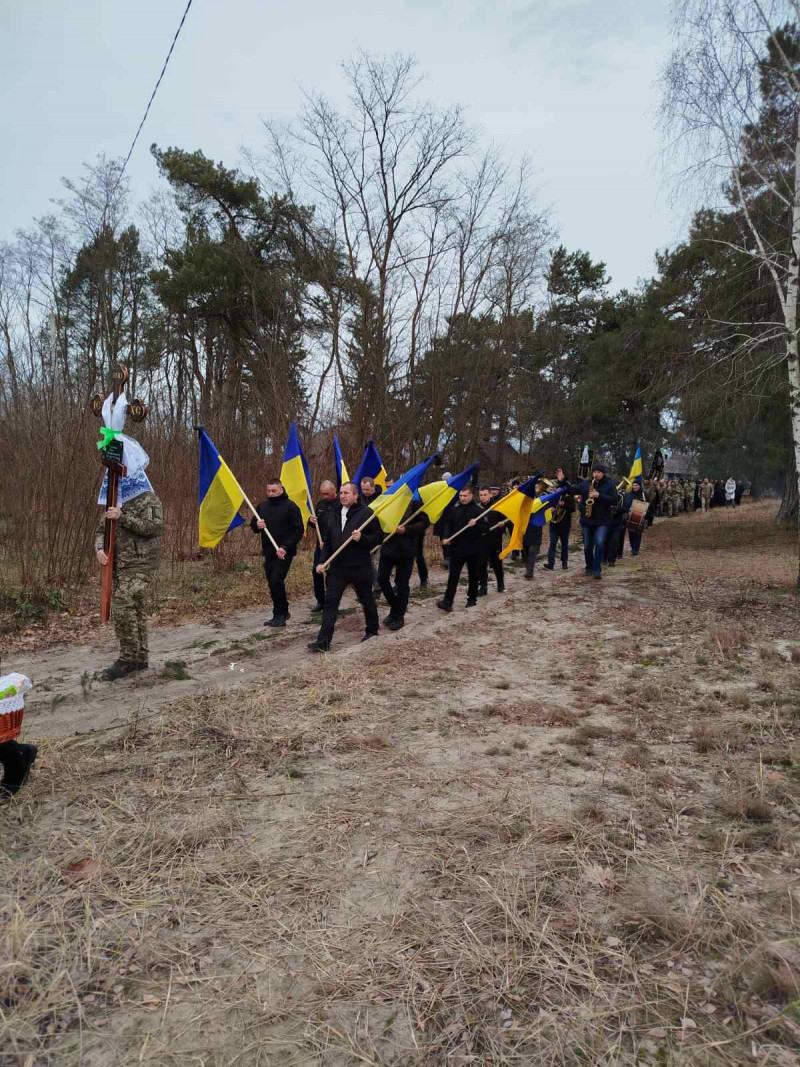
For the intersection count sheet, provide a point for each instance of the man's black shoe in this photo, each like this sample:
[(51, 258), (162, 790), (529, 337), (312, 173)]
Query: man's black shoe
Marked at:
[(549, 566), (423, 585), (483, 591), (121, 668), (317, 608), (564, 566), (389, 619), (277, 621), (501, 588), (366, 637), (318, 646), (17, 762), (397, 624), (444, 605), (472, 602), (599, 577)]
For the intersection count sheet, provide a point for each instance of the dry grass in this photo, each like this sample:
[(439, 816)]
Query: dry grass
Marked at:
[(308, 872)]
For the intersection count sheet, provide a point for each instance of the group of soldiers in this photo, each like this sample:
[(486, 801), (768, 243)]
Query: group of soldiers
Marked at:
[(670, 497)]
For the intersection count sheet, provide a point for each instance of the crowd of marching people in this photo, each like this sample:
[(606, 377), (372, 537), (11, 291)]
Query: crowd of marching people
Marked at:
[(674, 496)]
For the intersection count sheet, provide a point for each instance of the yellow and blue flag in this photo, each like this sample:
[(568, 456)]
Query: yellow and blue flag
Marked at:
[(637, 470), (341, 471), (219, 495), (295, 475), (542, 512), (390, 506), (519, 505), (436, 497), (371, 466)]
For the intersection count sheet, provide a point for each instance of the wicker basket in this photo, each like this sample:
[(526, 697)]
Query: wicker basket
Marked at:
[(11, 711)]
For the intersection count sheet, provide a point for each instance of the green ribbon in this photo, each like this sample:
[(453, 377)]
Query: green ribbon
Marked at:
[(107, 435)]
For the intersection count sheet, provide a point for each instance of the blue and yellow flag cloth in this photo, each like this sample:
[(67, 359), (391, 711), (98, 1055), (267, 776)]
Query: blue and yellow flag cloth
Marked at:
[(637, 470), (371, 466), (390, 506), (341, 471), (219, 495), (519, 505), (295, 475), (436, 497)]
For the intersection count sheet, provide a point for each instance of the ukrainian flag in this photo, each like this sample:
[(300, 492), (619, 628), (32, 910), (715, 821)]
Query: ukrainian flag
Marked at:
[(295, 475), (637, 470), (519, 505), (371, 466), (391, 505), (341, 471), (219, 495), (437, 496)]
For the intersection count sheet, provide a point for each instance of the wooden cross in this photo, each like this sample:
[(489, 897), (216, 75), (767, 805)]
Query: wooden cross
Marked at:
[(111, 458)]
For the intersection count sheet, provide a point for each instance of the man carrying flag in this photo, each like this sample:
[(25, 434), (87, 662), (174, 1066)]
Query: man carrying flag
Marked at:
[(352, 566), (350, 537), (462, 519), (280, 522)]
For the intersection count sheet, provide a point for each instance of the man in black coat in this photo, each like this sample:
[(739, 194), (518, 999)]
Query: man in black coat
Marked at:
[(281, 516), (353, 566), (491, 543), (464, 549), (327, 504), (397, 554), (598, 495)]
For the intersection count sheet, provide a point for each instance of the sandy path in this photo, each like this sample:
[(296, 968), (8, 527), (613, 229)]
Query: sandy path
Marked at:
[(69, 698)]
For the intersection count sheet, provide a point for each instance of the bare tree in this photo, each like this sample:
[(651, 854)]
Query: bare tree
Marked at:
[(732, 100)]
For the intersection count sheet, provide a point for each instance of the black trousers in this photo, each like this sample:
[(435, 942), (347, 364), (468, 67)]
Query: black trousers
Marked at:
[(396, 595), (615, 543), (338, 580), (319, 579), (490, 557), (456, 566), (558, 534), (635, 541), (422, 566), (276, 570)]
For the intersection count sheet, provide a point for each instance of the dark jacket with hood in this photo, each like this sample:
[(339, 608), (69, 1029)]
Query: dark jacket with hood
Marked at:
[(324, 510), (284, 522)]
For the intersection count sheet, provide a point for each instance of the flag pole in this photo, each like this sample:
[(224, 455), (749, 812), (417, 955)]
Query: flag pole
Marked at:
[(258, 518), (313, 512)]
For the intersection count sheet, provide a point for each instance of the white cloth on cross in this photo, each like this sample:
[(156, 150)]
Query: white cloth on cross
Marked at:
[(134, 457)]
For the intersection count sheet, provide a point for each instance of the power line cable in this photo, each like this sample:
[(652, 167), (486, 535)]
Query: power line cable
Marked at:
[(153, 94)]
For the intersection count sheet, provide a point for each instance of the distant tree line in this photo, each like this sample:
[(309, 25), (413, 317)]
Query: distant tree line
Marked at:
[(375, 271)]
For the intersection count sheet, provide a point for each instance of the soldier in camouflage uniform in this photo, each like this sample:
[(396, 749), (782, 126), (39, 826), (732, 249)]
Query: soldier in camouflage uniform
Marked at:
[(688, 495), (674, 496), (136, 554)]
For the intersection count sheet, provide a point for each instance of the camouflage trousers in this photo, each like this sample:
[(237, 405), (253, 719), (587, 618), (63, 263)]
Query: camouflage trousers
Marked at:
[(130, 619)]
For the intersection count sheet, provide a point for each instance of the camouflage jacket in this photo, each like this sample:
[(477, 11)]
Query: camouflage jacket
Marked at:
[(136, 545)]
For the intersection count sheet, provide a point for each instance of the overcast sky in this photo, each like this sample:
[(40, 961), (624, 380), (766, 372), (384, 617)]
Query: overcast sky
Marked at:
[(571, 83)]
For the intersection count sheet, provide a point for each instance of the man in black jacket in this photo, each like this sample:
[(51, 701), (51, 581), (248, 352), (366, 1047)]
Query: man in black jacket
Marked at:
[(491, 544), (327, 504), (397, 554), (281, 516), (598, 495), (464, 549), (352, 567)]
